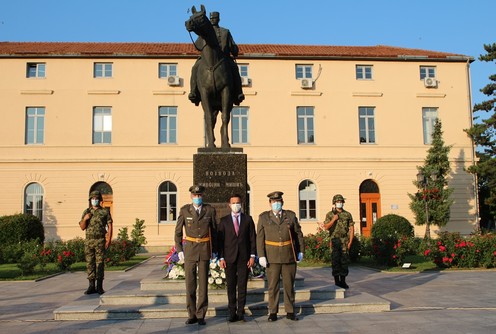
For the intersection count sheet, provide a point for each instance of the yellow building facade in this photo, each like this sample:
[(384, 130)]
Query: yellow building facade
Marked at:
[(316, 121)]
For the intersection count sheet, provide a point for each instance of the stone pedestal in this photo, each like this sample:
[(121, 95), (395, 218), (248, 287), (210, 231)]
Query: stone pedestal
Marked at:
[(223, 172)]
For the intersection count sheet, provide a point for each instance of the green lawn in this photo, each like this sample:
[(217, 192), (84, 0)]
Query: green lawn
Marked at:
[(418, 264), (10, 272)]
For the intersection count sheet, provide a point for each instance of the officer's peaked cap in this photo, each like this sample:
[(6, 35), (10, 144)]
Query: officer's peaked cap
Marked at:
[(276, 195), (197, 190)]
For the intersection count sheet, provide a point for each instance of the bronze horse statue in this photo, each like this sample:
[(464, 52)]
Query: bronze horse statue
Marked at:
[(214, 78)]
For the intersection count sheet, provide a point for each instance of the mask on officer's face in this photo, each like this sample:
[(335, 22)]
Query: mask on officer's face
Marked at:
[(276, 206), (95, 202), (339, 205)]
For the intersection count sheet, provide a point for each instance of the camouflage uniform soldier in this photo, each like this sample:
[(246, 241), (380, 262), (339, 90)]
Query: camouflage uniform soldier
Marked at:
[(340, 223), (97, 222)]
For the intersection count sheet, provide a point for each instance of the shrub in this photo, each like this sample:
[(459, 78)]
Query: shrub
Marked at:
[(452, 250), (392, 227), (20, 227), (65, 259), (29, 259), (138, 235), (317, 246), (76, 246), (355, 250), (119, 251), (391, 236)]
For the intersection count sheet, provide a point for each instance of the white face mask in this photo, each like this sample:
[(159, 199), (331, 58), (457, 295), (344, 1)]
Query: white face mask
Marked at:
[(236, 207), (95, 202), (339, 205)]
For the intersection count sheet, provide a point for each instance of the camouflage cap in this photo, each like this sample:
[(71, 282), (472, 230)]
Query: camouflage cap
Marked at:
[(275, 195), (337, 197), (197, 189), (95, 193)]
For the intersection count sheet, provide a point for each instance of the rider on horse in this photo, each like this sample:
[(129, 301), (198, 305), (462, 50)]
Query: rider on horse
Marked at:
[(228, 47)]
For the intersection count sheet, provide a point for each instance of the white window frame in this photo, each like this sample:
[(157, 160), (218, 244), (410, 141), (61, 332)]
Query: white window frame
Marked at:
[(102, 125), (304, 71), (33, 193), (429, 117), (244, 70), (166, 70), (427, 72), (305, 120), (307, 195), (167, 202), (35, 126), (103, 70), (240, 125), (366, 125), (36, 70), (364, 72), (167, 116)]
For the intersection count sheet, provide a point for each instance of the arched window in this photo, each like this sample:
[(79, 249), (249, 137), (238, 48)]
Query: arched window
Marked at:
[(33, 200), (307, 197), (167, 198)]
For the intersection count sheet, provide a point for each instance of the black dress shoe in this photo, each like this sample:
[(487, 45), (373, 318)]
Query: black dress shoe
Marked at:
[(191, 321), (233, 318), (291, 316), (272, 317), (201, 322), (241, 318)]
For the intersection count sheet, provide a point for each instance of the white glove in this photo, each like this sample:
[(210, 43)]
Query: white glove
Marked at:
[(263, 261), (300, 257), (181, 257)]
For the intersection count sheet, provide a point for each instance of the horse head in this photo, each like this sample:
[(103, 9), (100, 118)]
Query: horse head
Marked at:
[(198, 22)]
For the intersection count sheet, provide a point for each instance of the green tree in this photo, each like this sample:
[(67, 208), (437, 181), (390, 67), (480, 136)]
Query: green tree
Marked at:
[(483, 134), (431, 204)]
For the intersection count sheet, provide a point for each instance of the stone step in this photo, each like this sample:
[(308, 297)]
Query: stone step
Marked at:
[(92, 310), (158, 283), (173, 296)]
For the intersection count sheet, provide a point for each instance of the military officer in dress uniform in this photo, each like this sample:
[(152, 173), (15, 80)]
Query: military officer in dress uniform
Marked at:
[(280, 246), (199, 224), (340, 224)]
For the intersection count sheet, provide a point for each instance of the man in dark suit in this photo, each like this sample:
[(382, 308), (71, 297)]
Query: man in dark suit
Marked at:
[(200, 226), (237, 249)]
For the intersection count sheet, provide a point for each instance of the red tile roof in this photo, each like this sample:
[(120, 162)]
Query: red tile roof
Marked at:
[(78, 49)]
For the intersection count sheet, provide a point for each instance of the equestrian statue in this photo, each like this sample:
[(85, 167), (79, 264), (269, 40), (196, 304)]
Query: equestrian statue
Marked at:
[(215, 79)]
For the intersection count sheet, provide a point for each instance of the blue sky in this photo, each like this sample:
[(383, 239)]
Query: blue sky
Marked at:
[(457, 26)]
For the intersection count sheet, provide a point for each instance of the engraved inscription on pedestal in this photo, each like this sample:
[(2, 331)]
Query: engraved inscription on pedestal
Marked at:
[(222, 172)]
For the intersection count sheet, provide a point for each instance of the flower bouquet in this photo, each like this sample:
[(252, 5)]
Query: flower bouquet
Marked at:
[(174, 270), (216, 275), (257, 271)]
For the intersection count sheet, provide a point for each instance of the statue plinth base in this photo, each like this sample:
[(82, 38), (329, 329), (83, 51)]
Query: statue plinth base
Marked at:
[(223, 172)]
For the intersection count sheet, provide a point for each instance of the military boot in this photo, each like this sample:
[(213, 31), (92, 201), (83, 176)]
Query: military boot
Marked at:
[(99, 287), (91, 288), (342, 279)]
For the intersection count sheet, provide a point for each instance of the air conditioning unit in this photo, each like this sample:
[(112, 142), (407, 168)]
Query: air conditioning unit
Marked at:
[(173, 80), (306, 83), (245, 81), (430, 82)]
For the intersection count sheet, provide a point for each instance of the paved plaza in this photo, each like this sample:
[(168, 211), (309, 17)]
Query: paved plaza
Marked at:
[(434, 302)]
